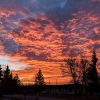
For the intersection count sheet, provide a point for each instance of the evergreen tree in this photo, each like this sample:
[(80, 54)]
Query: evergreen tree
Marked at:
[(7, 77), (9, 82), (39, 79), (1, 75), (1, 78), (92, 71), (17, 80), (7, 73)]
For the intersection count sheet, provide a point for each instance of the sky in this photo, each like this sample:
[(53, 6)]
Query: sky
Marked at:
[(43, 33)]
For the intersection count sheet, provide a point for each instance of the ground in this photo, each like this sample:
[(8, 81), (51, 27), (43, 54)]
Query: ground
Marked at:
[(22, 97)]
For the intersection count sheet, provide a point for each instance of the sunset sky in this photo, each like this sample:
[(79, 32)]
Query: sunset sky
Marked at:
[(42, 33)]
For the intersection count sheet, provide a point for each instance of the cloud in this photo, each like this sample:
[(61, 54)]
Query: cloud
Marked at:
[(42, 33), (14, 64)]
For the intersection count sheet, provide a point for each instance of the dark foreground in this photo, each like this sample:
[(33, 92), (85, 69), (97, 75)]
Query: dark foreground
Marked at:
[(53, 92), (30, 97)]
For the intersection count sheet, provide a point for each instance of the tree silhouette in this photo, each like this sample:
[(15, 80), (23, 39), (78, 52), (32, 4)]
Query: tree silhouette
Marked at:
[(92, 71), (1, 75), (84, 64), (1, 78), (17, 80), (7, 75), (39, 79), (73, 69), (92, 75), (9, 82)]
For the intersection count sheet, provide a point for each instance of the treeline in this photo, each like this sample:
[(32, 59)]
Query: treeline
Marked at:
[(11, 84), (84, 72), (8, 82), (85, 78)]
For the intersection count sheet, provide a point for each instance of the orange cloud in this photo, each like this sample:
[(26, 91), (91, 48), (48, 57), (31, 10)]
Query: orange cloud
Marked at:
[(38, 43)]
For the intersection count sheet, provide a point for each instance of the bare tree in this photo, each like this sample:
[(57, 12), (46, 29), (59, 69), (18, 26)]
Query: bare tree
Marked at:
[(73, 69), (84, 64)]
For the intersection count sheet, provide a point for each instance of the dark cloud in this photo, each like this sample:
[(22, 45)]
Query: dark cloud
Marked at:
[(32, 55), (10, 46), (54, 8)]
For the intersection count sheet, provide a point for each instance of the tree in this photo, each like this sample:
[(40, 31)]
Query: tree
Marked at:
[(84, 64), (6, 82), (75, 72), (7, 73), (92, 70), (1, 75), (92, 74), (17, 80), (73, 69), (39, 79), (1, 78), (9, 82)]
